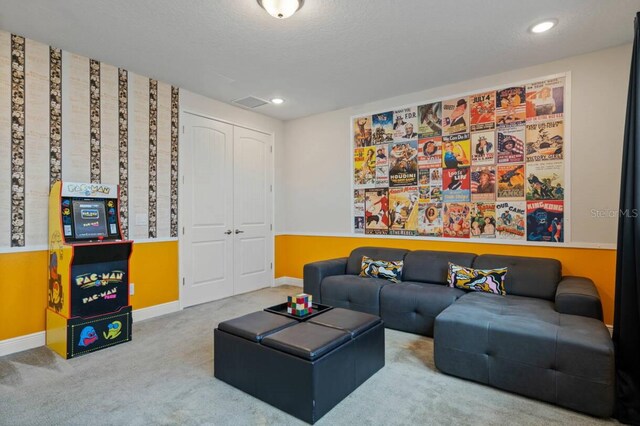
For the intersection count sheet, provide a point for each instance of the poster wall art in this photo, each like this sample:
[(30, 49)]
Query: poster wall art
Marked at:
[(490, 165)]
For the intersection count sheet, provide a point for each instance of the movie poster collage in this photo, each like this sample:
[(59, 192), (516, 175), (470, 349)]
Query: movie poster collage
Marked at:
[(488, 165)]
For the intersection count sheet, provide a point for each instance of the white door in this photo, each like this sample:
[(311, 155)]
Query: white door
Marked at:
[(207, 213), (253, 245)]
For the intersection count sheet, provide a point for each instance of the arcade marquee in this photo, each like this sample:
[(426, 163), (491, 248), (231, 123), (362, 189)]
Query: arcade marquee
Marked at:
[(88, 293)]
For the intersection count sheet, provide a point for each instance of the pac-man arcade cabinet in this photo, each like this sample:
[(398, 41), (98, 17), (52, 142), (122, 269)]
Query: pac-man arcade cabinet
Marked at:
[(88, 295)]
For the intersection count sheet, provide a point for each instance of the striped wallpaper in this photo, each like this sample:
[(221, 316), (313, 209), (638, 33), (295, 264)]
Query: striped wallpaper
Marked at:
[(65, 116)]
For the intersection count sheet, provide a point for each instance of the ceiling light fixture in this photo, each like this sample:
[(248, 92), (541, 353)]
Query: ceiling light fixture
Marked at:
[(277, 101), (281, 9), (543, 26)]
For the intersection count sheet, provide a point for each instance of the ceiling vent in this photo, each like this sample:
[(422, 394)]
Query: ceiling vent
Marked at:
[(250, 102)]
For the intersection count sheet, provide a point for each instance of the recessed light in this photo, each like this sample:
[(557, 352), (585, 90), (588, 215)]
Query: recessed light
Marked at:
[(277, 101), (544, 26)]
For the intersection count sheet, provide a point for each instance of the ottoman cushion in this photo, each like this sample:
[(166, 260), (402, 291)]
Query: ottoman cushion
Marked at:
[(257, 325), (523, 345), (306, 340), (413, 307), (353, 322)]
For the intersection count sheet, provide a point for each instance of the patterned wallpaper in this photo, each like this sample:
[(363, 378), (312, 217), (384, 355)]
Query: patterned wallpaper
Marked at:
[(65, 116)]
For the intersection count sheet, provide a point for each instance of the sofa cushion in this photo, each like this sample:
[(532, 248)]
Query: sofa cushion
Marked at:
[(354, 264), (483, 280), (528, 276), (353, 292), (306, 340), (354, 323), (257, 325), (432, 266), (522, 345), (386, 269), (413, 306)]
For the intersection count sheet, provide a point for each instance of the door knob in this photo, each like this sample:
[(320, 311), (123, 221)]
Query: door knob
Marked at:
[(228, 232), (239, 231)]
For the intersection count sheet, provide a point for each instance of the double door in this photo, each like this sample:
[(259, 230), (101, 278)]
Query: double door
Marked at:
[(226, 246)]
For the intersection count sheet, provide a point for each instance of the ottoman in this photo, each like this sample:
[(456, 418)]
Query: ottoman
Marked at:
[(302, 368)]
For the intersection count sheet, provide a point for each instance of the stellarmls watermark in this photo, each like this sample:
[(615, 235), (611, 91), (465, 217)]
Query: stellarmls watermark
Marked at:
[(611, 213)]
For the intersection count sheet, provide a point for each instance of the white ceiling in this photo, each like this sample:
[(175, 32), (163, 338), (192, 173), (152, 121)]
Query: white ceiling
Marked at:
[(331, 54)]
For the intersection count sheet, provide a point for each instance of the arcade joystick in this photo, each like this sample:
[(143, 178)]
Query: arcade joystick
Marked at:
[(100, 238)]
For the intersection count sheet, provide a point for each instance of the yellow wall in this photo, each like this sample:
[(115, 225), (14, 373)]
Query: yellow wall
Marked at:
[(294, 251), (23, 285)]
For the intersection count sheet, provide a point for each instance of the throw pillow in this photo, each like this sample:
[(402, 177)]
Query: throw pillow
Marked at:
[(485, 280), (386, 269)]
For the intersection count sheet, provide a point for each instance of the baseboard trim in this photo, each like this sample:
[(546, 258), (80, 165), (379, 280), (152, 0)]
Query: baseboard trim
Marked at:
[(22, 343), (35, 340), (297, 282), (156, 311)]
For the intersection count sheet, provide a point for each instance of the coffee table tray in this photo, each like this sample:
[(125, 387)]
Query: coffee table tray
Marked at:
[(281, 309)]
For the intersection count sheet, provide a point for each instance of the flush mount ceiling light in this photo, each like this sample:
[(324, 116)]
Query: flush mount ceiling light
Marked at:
[(277, 101), (544, 26), (281, 9)]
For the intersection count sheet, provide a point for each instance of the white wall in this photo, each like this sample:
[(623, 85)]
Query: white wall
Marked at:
[(194, 103), (315, 186)]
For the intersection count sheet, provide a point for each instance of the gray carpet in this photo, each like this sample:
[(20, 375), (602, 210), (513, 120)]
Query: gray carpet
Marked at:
[(165, 376)]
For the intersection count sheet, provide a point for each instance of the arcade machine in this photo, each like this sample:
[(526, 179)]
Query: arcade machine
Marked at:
[(88, 296)]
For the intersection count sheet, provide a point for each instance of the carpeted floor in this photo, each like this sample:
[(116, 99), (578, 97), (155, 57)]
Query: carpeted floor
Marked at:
[(165, 376)]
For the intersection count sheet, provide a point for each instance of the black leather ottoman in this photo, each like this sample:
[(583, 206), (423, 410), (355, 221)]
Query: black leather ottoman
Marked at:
[(302, 368)]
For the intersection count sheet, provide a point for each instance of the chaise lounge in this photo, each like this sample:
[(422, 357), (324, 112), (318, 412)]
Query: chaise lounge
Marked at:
[(544, 339)]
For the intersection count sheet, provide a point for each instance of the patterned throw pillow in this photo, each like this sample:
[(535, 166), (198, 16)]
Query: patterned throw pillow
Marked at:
[(389, 270), (486, 280)]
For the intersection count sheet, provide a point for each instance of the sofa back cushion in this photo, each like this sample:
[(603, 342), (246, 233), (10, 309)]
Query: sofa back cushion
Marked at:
[(354, 264), (432, 266), (526, 276)]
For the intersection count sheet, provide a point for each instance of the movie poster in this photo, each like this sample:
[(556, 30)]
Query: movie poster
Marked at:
[(545, 180), (435, 183), (430, 219), (382, 165), (456, 186), (545, 140), (511, 143), (405, 125), (510, 220), (545, 221), (424, 176), (382, 127), (376, 213), (455, 116), (511, 105), (483, 111), (483, 183), (456, 218), (403, 210), (364, 167), (510, 182), (430, 152), (403, 163), (456, 151), (362, 131), (430, 120), (483, 148), (358, 224), (483, 220), (545, 99), (358, 202)]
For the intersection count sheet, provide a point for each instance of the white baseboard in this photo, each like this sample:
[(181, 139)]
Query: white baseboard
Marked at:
[(35, 340), (22, 343), (288, 281), (155, 311)]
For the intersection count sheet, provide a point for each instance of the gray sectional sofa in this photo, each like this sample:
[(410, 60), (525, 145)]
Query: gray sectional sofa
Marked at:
[(545, 339)]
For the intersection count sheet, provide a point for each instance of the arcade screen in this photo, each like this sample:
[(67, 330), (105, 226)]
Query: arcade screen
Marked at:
[(89, 218)]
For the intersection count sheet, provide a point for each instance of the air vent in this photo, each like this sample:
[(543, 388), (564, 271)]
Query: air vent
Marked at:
[(250, 102)]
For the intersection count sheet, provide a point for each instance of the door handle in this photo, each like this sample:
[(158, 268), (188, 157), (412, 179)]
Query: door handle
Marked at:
[(228, 232), (239, 231)]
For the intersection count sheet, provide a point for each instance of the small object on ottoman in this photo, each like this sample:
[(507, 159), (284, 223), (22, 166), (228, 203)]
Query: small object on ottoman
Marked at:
[(300, 304)]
